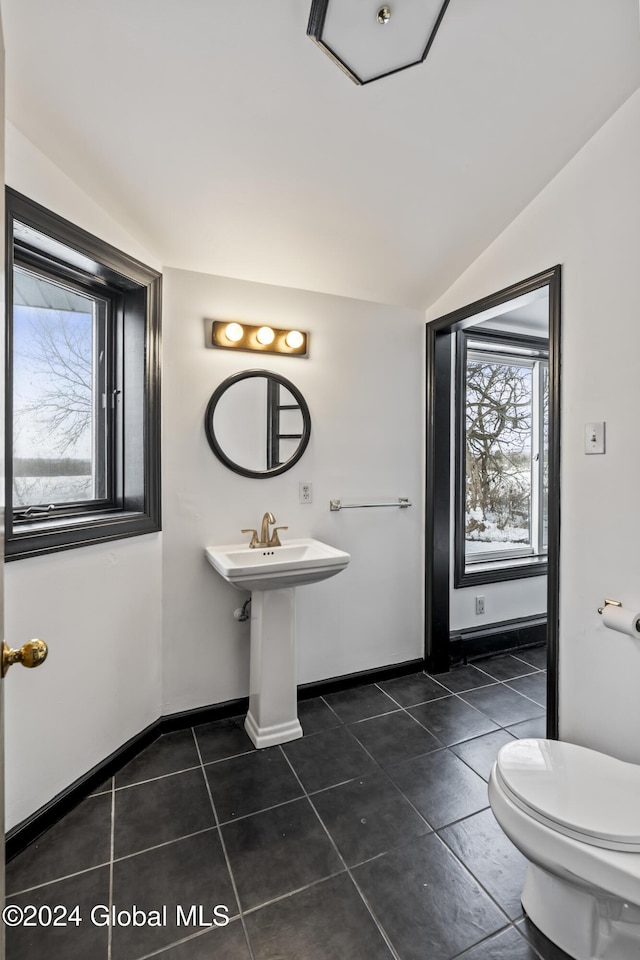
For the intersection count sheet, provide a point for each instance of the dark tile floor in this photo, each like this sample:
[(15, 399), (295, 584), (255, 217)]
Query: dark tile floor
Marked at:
[(370, 838)]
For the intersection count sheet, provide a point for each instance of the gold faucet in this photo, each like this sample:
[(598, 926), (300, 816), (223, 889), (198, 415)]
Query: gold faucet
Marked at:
[(265, 540), (264, 530)]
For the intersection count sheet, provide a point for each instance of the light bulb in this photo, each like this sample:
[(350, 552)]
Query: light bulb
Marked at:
[(294, 339), (234, 332), (265, 336)]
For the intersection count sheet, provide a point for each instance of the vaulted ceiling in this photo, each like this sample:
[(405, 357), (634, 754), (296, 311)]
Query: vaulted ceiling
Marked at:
[(226, 142)]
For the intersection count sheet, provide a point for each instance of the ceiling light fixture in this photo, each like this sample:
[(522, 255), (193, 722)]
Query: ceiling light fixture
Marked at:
[(244, 336), (349, 33)]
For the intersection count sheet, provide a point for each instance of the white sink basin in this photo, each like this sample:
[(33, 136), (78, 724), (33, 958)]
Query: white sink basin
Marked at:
[(293, 564)]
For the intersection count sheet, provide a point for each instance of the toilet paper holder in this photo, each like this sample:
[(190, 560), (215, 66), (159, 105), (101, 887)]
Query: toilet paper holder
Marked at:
[(607, 603)]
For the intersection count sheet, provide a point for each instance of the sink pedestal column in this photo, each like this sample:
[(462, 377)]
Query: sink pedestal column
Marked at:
[(273, 687)]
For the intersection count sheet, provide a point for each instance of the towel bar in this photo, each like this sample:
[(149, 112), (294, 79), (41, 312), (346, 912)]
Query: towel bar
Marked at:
[(339, 505)]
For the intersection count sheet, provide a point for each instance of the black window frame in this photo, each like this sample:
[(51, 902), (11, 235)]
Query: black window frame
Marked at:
[(485, 570), (42, 242)]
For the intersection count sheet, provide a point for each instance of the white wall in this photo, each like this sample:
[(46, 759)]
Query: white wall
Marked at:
[(101, 608), (506, 600), (362, 382), (29, 171), (97, 607), (588, 219)]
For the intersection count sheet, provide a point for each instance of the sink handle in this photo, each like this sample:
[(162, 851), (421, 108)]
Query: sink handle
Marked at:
[(275, 539), (254, 536)]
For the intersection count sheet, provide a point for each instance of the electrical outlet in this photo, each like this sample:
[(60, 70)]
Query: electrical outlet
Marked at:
[(479, 605), (305, 492)]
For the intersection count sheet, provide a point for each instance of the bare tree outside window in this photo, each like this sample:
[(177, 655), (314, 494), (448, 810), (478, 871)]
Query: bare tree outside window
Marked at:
[(54, 397), (502, 455)]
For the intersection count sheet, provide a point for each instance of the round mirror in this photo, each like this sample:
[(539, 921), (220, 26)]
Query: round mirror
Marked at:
[(257, 423)]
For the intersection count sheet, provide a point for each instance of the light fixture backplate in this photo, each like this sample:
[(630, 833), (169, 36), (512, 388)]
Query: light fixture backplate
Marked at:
[(217, 338), (350, 34)]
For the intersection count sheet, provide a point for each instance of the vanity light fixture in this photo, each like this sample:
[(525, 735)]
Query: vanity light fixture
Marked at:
[(265, 336), (369, 40), (294, 339), (264, 339), (233, 332)]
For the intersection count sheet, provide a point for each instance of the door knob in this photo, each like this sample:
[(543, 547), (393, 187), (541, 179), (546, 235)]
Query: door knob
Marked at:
[(30, 654)]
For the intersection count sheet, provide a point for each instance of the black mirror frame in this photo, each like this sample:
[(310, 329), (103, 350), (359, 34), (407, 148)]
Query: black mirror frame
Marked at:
[(217, 449)]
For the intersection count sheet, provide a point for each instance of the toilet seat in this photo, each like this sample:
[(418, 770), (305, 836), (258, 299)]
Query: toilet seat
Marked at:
[(578, 792)]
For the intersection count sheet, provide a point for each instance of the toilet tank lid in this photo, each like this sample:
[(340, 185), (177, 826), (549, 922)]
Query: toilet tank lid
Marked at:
[(588, 792)]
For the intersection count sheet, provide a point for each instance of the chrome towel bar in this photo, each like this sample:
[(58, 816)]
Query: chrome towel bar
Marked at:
[(339, 505)]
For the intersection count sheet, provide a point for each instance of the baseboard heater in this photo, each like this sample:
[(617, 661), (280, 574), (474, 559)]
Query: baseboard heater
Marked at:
[(473, 642)]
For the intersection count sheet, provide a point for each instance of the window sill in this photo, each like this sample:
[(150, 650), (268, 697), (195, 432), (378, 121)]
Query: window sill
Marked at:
[(494, 571), (51, 536)]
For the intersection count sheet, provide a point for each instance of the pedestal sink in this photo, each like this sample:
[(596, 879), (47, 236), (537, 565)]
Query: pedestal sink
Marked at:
[(272, 574)]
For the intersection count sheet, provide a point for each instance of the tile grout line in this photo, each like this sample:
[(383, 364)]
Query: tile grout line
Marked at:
[(224, 847), (531, 669), (469, 871), (517, 676), (67, 876), (161, 776), (377, 923), (425, 727), (327, 704), (435, 832), (525, 695), (392, 781), (396, 680), (441, 746), (388, 695), (498, 933), (530, 943), (466, 762), (169, 947), (233, 756), (111, 856), (546, 659), (438, 831), (291, 893), (446, 693), (491, 682), (381, 769), (503, 726)]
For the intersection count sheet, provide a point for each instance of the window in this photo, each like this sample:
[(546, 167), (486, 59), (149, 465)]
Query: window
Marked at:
[(82, 391), (502, 457)]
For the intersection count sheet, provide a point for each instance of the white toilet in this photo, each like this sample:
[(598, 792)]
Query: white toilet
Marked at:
[(575, 815)]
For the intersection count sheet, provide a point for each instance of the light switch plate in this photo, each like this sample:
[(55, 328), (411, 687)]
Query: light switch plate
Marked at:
[(594, 437)]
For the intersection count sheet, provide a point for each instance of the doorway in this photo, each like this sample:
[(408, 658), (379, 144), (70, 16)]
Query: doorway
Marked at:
[(440, 487)]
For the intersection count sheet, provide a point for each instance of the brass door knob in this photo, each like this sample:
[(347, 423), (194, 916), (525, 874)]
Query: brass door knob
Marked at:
[(30, 654)]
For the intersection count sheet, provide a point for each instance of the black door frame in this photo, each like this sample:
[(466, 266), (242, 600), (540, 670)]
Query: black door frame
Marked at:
[(440, 336)]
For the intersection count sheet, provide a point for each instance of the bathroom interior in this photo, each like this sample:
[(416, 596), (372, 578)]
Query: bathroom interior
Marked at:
[(490, 190)]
